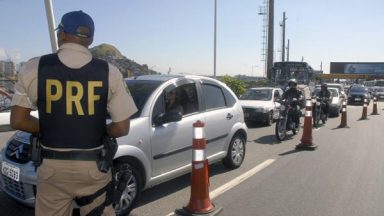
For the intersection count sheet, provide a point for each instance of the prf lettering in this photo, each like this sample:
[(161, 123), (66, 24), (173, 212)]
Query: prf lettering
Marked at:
[(73, 96)]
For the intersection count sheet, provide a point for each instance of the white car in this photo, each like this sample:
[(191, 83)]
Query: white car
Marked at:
[(260, 104), (336, 103)]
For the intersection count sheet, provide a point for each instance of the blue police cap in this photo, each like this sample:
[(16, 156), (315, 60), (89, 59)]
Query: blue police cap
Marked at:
[(77, 23)]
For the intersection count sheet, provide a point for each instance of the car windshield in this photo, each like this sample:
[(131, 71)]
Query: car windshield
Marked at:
[(358, 90), (140, 91), (257, 94), (334, 92)]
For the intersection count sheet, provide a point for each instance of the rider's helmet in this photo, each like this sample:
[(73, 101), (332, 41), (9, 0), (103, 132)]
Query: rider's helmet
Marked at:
[(324, 86), (292, 83)]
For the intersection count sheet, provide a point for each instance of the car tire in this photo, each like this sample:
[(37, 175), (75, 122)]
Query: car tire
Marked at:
[(269, 120), (236, 152), (132, 190)]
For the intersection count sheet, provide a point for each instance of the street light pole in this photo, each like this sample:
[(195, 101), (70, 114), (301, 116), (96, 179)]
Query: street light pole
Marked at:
[(283, 38), (51, 24), (270, 38), (214, 42)]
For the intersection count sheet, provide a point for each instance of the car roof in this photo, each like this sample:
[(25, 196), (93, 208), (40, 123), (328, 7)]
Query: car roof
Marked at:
[(164, 78)]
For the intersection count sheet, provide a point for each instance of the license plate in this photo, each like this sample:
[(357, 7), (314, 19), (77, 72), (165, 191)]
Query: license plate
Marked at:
[(357, 99), (10, 170)]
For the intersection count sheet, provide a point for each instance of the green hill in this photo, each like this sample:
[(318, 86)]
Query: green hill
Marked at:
[(126, 66)]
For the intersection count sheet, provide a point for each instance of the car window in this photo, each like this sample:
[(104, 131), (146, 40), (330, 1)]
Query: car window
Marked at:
[(140, 91), (182, 99), (213, 96), (229, 98), (334, 92), (276, 94), (257, 94), (358, 89)]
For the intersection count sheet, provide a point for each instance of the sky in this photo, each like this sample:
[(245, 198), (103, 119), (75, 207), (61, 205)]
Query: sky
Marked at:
[(178, 35)]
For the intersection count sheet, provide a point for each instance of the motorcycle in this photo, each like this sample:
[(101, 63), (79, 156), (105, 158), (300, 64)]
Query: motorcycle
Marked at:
[(318, 111), (285, 121)]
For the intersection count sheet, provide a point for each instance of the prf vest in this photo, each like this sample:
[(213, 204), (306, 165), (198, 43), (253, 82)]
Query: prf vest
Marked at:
[(72, 103)]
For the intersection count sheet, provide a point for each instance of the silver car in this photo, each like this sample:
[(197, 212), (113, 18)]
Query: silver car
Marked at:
[(159, 144)]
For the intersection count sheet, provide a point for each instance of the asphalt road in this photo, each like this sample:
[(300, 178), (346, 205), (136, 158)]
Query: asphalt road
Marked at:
[(343, 176)]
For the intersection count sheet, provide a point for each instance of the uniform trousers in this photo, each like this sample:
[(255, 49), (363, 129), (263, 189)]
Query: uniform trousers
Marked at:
[(59, 182)]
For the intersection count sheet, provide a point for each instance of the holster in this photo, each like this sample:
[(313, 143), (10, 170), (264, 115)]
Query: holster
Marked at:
[(35, 150), (107, 154)]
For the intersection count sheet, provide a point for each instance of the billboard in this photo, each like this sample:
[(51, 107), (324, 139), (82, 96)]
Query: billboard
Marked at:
[(370, 68)]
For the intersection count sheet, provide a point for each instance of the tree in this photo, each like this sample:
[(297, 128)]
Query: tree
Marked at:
[(237, 86)]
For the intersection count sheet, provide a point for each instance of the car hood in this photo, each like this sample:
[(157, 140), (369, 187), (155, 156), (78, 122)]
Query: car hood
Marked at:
[(256, 103)]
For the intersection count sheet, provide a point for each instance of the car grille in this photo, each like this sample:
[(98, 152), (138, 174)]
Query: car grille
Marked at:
[(14, 187), (18, 152)]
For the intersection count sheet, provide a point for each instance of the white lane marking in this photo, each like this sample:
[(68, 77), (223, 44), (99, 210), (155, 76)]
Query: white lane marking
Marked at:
[(241, 178), (231, 184)]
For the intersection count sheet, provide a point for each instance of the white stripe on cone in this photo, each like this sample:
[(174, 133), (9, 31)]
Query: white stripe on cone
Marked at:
[(198, 155), (308, 113), (198, 133)]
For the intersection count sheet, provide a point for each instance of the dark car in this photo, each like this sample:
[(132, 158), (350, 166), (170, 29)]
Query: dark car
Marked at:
[(357, 94)]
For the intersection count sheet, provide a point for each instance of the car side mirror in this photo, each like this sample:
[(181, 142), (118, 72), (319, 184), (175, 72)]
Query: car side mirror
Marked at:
[(172, 116)]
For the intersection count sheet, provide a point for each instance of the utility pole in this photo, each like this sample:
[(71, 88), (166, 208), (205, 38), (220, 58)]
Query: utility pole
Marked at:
[(264, 50), (282, 24), (51, 24), (270, 38), (288, 50), (214, 42)]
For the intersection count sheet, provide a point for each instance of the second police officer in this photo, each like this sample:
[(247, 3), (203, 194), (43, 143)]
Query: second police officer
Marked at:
[(73, 93)]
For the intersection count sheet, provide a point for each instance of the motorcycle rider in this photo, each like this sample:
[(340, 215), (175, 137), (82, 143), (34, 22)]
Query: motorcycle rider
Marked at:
[(325, 95), (297, 99)]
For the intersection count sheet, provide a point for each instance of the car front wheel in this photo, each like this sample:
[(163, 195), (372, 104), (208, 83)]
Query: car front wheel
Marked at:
[(131, 190), (269, 120), (236, 152)]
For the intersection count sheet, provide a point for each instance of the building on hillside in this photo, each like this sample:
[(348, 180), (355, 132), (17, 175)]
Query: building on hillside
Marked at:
[(7, 68)]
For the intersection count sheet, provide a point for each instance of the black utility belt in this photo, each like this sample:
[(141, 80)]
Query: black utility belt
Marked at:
[(92, 155)]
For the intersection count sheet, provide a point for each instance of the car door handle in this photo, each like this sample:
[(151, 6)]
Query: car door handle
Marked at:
[(229, 116)]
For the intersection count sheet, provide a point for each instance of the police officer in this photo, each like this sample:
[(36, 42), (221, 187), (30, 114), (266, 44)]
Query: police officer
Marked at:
[(325, 95), (295, 96), (73, 93)]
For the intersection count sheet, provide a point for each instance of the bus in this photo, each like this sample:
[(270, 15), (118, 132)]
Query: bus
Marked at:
[(301, 71)]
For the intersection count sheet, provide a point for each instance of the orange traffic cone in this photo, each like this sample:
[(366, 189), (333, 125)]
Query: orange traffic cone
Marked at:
[(365, 107), (199, 203), (306, 139), (343, 122), (374, 112)]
